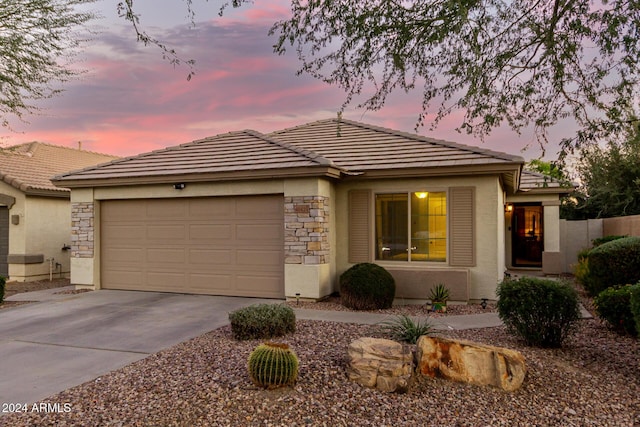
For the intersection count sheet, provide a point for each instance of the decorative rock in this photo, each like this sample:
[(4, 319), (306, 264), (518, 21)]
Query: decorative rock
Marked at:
[(466, 361), (381, 364)]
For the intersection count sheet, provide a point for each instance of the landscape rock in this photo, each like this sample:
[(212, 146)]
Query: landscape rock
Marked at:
[(470, 362), (381, 364)]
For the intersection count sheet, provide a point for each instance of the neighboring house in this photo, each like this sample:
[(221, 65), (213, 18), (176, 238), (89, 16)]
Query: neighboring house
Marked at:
[(35, 224), (284, 214)]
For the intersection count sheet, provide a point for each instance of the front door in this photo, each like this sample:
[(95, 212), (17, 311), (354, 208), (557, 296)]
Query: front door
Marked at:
[(527, 235)]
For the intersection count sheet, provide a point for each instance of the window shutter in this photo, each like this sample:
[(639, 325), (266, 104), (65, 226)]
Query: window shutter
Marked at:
[(462, 230), (359, 226)]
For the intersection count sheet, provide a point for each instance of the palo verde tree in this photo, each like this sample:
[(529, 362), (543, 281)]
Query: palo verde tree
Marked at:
[(37, 41)]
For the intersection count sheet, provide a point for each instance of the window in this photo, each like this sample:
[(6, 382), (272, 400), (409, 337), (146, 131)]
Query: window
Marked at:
[(419, 218)]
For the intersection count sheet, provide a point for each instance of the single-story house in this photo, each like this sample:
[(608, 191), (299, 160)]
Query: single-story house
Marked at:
[(283, 215), (35, 224)]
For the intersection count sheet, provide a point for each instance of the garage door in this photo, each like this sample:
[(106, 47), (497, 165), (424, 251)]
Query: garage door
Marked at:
[(215, 245)]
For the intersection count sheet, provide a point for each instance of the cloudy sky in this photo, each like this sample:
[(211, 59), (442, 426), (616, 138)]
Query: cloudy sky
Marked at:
[(131, 101)]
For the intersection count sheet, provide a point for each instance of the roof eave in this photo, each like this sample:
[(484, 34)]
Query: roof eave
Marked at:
[(301, 172)]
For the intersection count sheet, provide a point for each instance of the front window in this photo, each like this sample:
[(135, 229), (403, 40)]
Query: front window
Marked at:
[(411, 226)]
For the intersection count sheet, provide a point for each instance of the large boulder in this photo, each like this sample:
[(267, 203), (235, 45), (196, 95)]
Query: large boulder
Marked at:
[(466, 361), (381, 364)]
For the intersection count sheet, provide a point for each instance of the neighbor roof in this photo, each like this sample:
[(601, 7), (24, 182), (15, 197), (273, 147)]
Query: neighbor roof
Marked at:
[(535, 182), (29, 167), (232, 155)]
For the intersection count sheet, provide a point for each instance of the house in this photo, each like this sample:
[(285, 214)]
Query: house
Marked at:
[(283, 215), (35, 221)]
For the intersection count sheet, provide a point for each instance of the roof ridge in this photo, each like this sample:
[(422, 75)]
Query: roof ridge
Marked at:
[(34, 145), (309, 154)]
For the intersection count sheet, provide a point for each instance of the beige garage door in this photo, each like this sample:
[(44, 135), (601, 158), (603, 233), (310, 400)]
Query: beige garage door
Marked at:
[(215, 245)]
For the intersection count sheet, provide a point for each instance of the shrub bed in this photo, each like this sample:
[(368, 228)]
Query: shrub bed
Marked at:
[(542, 312)]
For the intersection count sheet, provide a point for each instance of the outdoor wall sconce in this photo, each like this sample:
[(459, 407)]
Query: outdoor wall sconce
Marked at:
[(179, 186), (15, 219), (508, 207), (65, 247)]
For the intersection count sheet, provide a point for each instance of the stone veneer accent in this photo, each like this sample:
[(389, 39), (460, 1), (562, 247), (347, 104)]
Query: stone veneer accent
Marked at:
[(82, 228), (306, 230)]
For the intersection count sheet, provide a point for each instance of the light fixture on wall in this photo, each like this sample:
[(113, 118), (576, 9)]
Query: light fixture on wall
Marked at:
[(508, 207), (179, 186), (421, 194)]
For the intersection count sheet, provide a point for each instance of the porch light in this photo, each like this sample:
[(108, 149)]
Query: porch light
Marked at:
[(508, 207), (422, 194)]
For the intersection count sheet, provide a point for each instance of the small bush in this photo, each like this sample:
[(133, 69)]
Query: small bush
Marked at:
[(404, 328), (261, 321), (635, 305), (3, 283), (615, 263), (367, 286), (614, 306), (606, 239), (541, 311)]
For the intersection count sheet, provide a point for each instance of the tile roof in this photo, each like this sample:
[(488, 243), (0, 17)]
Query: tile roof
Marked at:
[(357, 146), (242, 151), (29, 167), (537, 182)]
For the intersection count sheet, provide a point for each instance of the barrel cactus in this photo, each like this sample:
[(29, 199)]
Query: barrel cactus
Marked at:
[(273, 365)]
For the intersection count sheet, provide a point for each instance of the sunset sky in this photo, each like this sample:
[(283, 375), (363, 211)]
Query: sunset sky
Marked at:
[(132, 101)]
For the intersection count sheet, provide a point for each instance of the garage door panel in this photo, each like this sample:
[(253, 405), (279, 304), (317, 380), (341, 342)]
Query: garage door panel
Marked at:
[(264, 258), (258, 232), (166, 233), (166, 256), (211, 232), (217, 245), (219, 257), (124, 255)]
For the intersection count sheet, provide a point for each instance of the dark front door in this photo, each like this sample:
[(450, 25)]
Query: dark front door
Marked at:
[(4, 241), (527, 236)]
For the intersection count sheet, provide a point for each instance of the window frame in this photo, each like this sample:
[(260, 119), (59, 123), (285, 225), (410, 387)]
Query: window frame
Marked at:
[(408, 261)]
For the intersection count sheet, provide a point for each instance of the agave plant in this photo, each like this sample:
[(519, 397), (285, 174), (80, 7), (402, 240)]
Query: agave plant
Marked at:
[(404, 328)]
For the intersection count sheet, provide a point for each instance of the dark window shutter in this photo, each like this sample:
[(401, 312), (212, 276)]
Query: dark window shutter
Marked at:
[(359, 226), (462, 230)]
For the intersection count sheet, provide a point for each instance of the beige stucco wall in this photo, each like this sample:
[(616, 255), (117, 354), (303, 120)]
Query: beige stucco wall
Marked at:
[(489, 226), (43, 228), (311, 281)]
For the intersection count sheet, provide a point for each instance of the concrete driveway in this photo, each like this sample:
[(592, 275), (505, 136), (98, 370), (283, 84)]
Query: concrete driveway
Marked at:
[(65, 340)]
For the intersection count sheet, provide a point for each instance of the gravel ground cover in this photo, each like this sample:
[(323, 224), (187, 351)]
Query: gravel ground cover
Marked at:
[(593, 381)]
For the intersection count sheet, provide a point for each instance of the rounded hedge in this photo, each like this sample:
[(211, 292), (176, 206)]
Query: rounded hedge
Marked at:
[(367, 286), (260, 321), (635, 305), (543, 312), (614, 306), (616, 263)]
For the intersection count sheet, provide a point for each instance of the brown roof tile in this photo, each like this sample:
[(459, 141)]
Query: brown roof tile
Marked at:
[(231, 152), (357, 146), (538, 182), (29, 167)]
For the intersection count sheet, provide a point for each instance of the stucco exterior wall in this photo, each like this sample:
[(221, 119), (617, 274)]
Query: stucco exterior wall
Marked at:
[(489, 226), (37, 240)]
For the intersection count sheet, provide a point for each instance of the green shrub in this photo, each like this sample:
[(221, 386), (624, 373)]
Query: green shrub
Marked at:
[(635, 305), (273, 365), (581, 269), (3, 283), (606, 239), (614, 306), (543, 312), (615, 263), (367, 286), (404, 328), (262, 321)]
